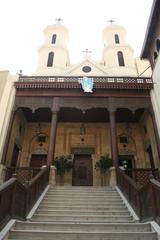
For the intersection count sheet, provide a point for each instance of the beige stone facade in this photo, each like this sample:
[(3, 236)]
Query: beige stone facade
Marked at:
[(97, 137)]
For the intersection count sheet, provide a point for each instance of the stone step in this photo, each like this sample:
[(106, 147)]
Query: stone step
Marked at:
[(80, 218), (83, 208), (80, 201), (82, 193), (84, 213), (84, 198), (90, 227), (92, 188), (82, 189), (83, 203), (62, 235)]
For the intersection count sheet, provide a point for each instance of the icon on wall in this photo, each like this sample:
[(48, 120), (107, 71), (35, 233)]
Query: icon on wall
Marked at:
[(87, 84)]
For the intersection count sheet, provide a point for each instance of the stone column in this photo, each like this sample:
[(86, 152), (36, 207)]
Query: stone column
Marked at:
[(113, 134), (53, 129)]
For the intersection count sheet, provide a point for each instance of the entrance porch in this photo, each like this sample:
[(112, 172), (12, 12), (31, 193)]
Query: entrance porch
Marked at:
[(87, 131)]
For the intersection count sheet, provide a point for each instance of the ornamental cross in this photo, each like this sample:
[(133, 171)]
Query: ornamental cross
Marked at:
[(111, 21), (58, 20), (86, 52)]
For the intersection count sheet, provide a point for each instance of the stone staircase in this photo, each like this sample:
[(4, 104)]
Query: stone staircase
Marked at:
[(76, 213)]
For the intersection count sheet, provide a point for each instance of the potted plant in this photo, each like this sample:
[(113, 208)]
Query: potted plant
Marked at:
[(63, 164), (103, 165)]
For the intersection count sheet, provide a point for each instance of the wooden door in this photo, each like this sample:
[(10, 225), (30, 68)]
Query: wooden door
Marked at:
[(38, 160), (82, 171)]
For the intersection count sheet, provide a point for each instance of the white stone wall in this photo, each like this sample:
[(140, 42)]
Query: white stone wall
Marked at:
[(155, 93), (7, 92)]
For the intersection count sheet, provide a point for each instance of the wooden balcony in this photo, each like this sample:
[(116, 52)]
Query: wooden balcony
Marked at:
[(74, 82)]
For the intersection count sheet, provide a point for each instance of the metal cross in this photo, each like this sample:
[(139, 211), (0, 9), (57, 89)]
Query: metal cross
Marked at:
[(58, 20), (86, 52), (111, 21)]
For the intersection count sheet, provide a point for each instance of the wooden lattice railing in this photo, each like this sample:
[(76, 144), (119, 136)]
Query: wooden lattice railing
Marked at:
[(142, 175), (23, 174), (26, 82), (16, 199), (144, 198)]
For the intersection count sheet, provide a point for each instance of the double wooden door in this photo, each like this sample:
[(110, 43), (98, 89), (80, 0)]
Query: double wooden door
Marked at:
[(82, 171)]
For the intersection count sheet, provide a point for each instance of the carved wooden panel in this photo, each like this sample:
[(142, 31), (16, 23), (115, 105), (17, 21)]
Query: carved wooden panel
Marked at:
[(82, 170)]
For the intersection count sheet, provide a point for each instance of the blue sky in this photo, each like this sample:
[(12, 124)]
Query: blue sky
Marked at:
[(22, 23)]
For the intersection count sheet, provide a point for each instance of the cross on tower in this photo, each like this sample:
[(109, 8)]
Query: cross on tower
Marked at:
[(111, 21), (86, 52), (58, 20)]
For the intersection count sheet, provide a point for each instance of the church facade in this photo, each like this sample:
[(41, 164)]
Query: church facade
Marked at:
[(84, 110)]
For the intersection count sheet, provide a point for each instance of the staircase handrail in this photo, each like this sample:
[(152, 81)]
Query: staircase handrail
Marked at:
[(21, 198), (35, 188), (6, 201), (155, 186), (142, 198)]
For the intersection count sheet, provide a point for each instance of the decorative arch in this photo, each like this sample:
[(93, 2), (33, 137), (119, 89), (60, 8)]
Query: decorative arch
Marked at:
[(127, 146), (116, 38), (41, 151), (120, 58), (50, 59), (31, 143), (54, 36)]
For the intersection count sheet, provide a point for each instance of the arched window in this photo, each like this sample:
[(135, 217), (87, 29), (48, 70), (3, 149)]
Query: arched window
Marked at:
[(116, 37), (158, 45), (120, 58), (50, 59), (54, 38)]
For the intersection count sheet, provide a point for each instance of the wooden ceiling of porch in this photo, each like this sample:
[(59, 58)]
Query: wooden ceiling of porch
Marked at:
[(76, 115)]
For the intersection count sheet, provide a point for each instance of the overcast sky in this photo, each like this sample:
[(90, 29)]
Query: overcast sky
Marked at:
[(22, 23)]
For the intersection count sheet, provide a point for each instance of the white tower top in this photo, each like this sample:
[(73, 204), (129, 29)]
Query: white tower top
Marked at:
[(110, 32), (53, 55), (61, 32), (117, 54)]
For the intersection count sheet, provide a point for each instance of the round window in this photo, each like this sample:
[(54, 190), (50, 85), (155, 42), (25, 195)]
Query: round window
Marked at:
[(86, 69)]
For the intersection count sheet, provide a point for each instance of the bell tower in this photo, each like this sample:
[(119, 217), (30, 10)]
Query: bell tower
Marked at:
[(53, 54), (117, 55)]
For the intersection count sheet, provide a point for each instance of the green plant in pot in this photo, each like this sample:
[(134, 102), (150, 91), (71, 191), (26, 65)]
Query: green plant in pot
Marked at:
[(103, 165), (63, 164)]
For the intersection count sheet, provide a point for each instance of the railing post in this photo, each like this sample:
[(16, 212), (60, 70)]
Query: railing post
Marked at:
[(154, 201), (13, 196), (139, 205)]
